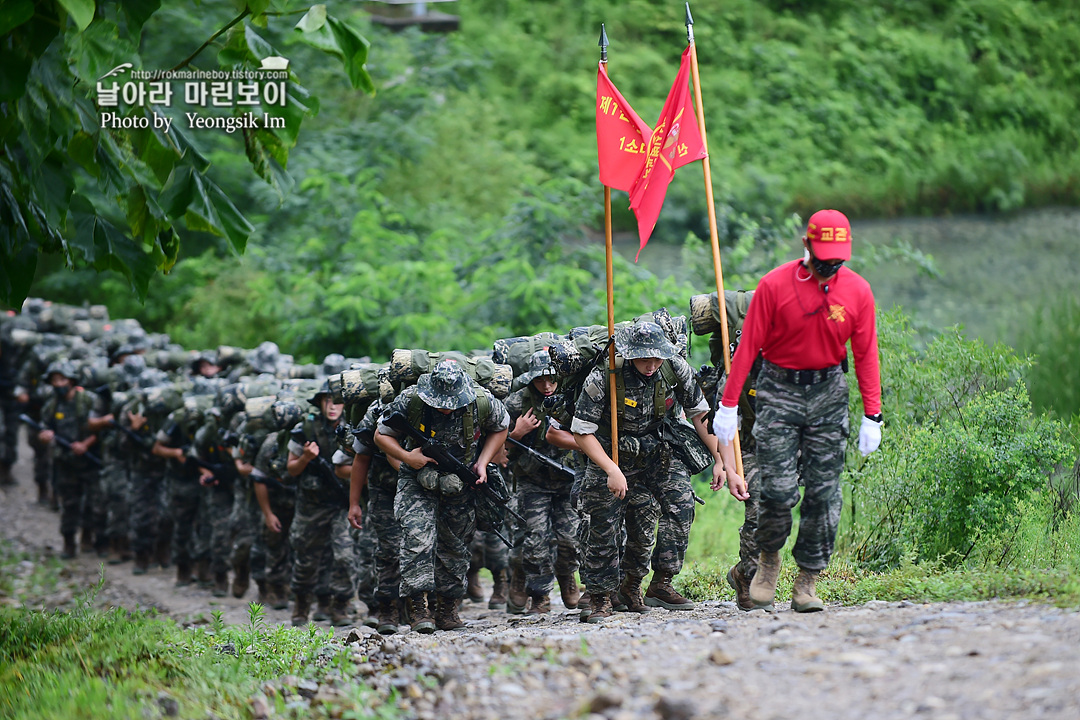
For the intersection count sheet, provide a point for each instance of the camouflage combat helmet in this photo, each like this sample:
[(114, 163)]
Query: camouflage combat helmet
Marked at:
[(324, 389), (539, 366), (265, 358), (207, 356), (231, 399), (447, 387), (121, 352), (644, 339), (132, 367), (64, 368), (334, 363)]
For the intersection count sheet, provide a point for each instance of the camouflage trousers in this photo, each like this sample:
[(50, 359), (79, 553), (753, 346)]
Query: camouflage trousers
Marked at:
[(549, 546), (811, 420), (486, 550), (748, 546), (380, 518), (279, 558), (321, 542), (434, 533), (367, 547), (44, 477), (246, 521), (185, 497), (216, 508), (653, 494), (77, 485), (9, 432), (117, 489), (148, 515)]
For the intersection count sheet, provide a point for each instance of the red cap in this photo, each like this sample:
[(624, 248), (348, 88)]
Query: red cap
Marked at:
[(829, 233)]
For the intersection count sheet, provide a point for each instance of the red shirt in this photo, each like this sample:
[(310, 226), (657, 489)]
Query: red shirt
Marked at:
[(794, 323)]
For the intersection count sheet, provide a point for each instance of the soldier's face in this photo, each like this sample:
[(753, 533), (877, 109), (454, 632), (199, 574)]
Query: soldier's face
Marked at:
[(208, 369), (330, 409), (647, 366), (59, 381), (545, 385)]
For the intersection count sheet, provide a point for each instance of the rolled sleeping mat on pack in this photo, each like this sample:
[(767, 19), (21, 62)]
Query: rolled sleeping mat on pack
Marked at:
[(169, 360), (364, 383), (406, 367), (307, 371), (229, 355), (25, 338), (516, 351), (705, 311), (259, 412)]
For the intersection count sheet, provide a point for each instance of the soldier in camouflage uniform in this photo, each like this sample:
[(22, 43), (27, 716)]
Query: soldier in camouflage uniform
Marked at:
[(321, 519), (151, 530), (434, 507), (543, 493), (276, 495), (182, 479), (800, 320), (70, 413), (652, 382)]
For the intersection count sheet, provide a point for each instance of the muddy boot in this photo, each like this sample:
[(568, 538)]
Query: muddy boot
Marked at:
[(584, 606), (473, 589), (568, 588), (279, 598), (661, 594), (262, 597), (446, 613), (116, 554), (301, 608), (803, 597), (630, 595), (163, 552), (339, 612), (221, 584), (70, 550), (600, 608), (516, 598), (763, 586), (241, 579), (497, 601), (388, 617), (541, 604), (741, 585), (322, 611), (86, 542), (202, 571), (183, 574), (419, 616), (142, 563)]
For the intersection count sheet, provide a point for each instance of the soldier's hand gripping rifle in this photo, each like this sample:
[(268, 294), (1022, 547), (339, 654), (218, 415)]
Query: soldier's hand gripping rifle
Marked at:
[(133, 435), (446, 462), (323, 469), (566, 472), (60, 439)]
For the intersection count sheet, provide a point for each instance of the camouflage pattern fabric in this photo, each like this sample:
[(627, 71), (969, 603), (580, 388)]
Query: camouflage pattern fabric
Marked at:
[(748, 546), (486, 550), (115, 484), (77, 479), (215, 511), (811, 420), (549, 546), (246, 522), (380, 517), (278, 553), (366, 547), (434, 554), (185, 495), (317, 527)]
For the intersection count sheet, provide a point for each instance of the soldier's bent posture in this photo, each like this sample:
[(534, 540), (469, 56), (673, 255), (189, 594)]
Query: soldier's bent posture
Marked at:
[(435, 509), (800, 319)]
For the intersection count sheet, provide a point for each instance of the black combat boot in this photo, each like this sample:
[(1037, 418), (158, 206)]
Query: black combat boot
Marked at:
[(70, 550), (202, 571), (183, 573), (142, 563)]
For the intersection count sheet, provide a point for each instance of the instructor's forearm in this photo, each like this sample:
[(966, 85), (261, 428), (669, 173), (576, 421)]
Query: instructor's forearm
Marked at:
[(491, 446), (358, 478), (595, 452)]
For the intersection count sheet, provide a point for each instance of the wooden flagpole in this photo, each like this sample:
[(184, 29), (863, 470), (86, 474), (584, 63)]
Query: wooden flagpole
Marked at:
[(610, 293), (714, 237)]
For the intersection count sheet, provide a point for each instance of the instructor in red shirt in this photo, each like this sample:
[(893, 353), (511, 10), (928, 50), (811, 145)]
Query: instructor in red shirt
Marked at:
[(800, 320)]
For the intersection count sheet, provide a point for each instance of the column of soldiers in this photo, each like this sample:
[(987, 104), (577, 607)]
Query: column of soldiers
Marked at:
[(244, 465)]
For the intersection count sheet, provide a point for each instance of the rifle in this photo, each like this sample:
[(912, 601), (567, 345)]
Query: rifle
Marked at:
[(445, 461), (271, 482), (60, 439), (324, 471), (132, 434), (553, 464), (224, 472)]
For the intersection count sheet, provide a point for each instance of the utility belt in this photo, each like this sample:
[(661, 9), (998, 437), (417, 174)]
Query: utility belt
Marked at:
[(799, 377)]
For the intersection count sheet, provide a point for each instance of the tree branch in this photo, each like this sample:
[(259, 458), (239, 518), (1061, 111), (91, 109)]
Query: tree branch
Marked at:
[(187, 61)]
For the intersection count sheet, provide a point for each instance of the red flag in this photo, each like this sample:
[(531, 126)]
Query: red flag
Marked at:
[(621, 135), (675, 142)]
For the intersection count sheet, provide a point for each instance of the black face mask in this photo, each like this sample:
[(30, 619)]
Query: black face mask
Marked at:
[(824, 269)]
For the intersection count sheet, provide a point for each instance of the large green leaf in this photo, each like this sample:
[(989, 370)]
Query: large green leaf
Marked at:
[(106, 247), (100, 49), (81, 11), (138, 12), (14, 13), (336, 37), (204, 206), (17, 273)]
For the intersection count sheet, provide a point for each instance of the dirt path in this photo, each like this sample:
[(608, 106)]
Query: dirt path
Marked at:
[(881, 660)]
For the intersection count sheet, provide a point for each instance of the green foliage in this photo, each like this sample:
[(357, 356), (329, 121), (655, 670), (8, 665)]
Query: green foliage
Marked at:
[(118, 199), (1052, 336)]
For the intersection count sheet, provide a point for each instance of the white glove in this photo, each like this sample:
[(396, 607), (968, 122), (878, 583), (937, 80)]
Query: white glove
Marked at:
[(869, 436), (725, 423)]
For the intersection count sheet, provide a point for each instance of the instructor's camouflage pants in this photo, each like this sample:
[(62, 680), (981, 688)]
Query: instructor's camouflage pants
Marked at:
[(380, 518), (434, 533), (646, 489), (748, 547), (549, 548), (812, 419)]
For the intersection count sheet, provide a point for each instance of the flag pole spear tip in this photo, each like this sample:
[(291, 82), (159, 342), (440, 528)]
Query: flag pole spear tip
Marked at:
[(689, 17), (603, 43), (689, 25)]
